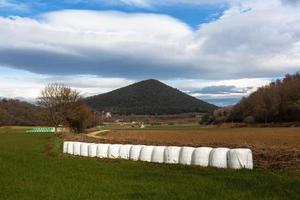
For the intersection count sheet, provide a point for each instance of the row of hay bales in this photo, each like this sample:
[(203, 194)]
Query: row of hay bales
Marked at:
[(201, 156)]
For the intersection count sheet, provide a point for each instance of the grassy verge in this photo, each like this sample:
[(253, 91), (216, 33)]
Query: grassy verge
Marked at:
[(26, 172), (54, 146)]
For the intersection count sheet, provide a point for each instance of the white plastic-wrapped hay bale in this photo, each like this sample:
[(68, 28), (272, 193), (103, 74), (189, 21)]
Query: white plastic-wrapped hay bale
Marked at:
[(65, 147), (76, 148), (70, 148), (172, 155), (201, 156), (92, 150), (84, 149), (218, 157), (102, 150), (125, 151), (185, 156), (158, 154), (135, 152), (146, 153), (114, 150), (240, 158)]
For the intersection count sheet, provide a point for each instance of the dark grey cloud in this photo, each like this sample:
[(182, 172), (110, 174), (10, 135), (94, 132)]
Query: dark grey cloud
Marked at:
[(223, 89), (108, 64), (97, 63), (223, 101), (291, 2)]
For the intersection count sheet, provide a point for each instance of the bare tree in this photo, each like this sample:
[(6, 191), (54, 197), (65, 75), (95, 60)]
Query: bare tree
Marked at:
[(59, 102)]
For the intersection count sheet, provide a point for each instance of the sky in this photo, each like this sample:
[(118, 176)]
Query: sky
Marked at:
[(218, 51)]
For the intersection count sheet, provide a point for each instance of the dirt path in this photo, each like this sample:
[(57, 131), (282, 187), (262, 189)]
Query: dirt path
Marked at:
[(95, 134)]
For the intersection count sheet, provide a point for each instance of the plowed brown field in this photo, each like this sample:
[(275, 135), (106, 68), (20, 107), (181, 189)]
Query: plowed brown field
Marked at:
[(273, 148)]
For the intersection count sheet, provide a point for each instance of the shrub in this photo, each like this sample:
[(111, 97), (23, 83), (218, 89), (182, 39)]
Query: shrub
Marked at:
[(206, 119)]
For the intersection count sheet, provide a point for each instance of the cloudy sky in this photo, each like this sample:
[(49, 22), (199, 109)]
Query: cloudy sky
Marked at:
[(215, 50)]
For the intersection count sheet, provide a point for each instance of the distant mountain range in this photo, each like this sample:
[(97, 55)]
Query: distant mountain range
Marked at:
[(148, 97)]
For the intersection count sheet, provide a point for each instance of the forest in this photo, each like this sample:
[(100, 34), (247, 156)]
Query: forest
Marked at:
[(277, 102), (15, 112)]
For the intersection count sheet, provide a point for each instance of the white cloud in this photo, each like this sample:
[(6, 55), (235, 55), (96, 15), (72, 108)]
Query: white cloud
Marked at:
[(11, 5), (138, 3), (240, 87), (154, 3), (251, 39), (90, 41), (256, 37), (19, 83), (196, 84), (149, 3)]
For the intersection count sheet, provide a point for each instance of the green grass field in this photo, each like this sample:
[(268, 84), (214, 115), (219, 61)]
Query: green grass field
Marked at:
[(28, 173)]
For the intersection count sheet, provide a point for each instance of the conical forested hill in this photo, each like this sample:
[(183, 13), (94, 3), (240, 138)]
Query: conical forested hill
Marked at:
[(148, 97)]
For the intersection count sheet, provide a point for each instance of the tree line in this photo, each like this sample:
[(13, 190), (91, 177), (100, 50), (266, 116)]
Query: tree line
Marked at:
[(57, 105), (15, 112), (277, 102)]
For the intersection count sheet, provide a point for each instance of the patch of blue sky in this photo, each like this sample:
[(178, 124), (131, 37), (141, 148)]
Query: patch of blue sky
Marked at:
[(11, 72), (193, 15)]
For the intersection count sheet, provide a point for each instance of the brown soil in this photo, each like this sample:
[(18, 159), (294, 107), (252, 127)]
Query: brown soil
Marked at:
[(49, 147), (95, 134), (273, 148)]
